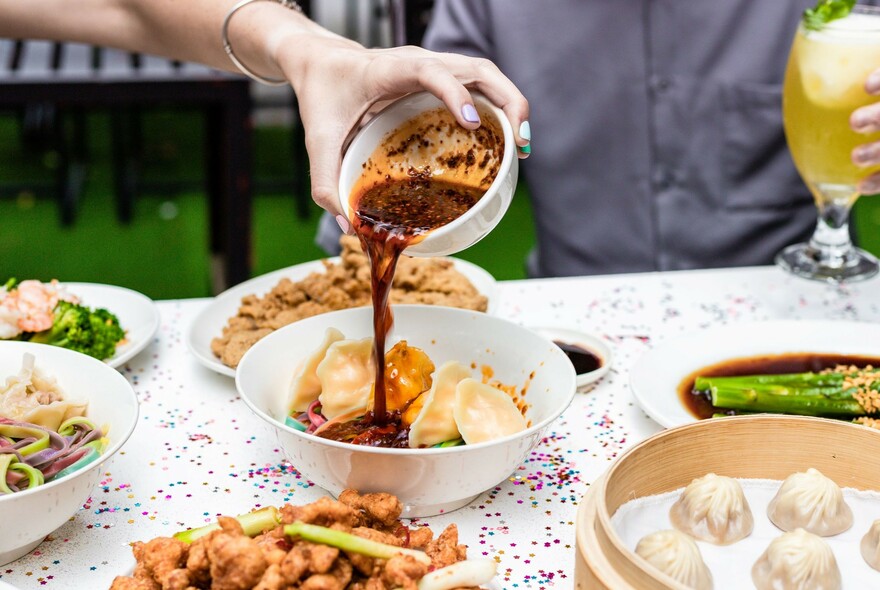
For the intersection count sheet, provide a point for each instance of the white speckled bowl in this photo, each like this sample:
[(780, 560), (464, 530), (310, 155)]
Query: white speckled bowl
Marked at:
[(26, 517), (427, 481), (474, 224)]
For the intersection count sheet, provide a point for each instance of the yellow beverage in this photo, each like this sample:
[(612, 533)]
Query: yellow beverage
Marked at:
[(824, 83)]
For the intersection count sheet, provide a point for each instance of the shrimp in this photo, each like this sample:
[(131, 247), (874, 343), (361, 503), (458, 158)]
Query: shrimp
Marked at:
[(31, 304)]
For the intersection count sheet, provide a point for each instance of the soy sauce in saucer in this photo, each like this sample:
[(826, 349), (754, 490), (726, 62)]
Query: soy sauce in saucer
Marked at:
[(584, 361)]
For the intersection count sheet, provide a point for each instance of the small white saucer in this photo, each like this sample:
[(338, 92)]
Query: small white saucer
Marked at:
[(586, 341)]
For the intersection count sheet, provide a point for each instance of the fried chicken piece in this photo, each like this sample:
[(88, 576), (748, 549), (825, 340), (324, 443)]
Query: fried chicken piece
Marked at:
[(324, 512), (294, 565), (403, 571), (237, 562), (160, 557), (336, 579), (371, 566), (127, 583), (420, 537), (374, 509), (272, 579), (445, 550)]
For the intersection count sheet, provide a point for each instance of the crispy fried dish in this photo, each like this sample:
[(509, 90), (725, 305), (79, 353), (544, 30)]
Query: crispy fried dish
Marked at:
[(431, 281), (227, 559)]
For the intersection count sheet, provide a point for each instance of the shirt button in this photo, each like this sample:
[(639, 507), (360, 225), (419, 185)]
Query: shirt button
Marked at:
[(659, 84), (662, 178)]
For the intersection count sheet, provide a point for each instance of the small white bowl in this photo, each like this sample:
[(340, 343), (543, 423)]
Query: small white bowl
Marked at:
[(427, 481), (591, 343), (480, 219), (28, 516)]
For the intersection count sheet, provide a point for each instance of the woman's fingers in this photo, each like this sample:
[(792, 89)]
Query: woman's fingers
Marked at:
[(870, 185)]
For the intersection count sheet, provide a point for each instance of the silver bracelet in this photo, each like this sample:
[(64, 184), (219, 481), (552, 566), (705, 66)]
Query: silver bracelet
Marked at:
[(227, 46)]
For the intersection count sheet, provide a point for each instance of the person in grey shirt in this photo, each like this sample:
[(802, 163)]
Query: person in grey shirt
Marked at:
[(658, 139)]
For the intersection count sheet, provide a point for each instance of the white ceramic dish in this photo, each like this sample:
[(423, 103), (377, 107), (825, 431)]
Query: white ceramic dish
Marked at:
[(137, 313), (209, 323), (655, 377), (112, 404), (475, 223), (427, 481), (591, 343)]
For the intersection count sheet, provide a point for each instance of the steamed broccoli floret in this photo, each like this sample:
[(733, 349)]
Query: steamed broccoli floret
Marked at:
[(76, 327)]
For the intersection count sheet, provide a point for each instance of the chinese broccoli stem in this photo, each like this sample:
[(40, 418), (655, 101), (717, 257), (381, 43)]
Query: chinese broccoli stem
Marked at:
[(808, 394)]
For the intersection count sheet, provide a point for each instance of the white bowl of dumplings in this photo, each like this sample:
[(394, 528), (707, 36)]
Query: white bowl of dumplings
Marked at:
[(427, 481), (28, 516)]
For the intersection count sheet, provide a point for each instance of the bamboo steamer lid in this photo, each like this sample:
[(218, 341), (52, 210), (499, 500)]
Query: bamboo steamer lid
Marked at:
[(762, 446)]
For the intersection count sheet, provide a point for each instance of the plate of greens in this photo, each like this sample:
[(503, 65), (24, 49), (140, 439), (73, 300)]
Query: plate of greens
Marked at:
[(820, 368), (107, 322)]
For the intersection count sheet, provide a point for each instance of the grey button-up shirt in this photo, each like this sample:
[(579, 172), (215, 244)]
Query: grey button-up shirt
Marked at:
[(657, 138)]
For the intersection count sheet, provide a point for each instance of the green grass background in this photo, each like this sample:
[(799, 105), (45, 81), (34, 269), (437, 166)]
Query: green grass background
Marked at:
[(164, 251)]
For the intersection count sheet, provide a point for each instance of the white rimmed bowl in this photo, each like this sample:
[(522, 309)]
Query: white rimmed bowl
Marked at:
[(427, 481), (112, 404), (480, 219)]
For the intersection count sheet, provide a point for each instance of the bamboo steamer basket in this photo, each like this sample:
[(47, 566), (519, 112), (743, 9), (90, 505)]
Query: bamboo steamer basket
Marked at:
[(764, 446)]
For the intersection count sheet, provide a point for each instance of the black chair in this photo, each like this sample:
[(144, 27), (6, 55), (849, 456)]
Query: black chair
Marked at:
[(409, 20), (73, 78)]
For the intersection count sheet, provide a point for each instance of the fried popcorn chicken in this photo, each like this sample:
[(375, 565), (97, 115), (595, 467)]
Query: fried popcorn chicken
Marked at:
[(432, 281), (227, 559)]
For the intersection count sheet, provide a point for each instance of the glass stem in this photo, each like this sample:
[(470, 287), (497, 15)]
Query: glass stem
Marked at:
[(831, 241)]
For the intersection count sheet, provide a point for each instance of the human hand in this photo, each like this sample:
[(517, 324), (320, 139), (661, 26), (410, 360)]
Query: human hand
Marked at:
[(340, 81), (866, 120)]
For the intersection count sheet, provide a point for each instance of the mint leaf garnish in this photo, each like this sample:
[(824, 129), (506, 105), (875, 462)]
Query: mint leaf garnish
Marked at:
[(826, 11)]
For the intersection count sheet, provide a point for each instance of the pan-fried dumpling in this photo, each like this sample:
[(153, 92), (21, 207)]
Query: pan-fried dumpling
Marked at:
[(35, 397), (483, 412), (346, 375), (870, 545), (812, 502), (713, 508), (305, 386), (676, 555), (435, 423), (797, 561)]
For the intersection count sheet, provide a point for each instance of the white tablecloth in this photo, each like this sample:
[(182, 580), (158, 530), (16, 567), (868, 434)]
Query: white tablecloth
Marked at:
[(199, 452)]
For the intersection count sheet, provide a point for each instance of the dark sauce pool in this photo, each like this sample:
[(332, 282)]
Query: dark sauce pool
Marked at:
[(584, 361), (699, 404)]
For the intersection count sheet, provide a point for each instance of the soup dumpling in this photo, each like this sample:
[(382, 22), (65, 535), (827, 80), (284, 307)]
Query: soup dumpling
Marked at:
[(797, 560), (714, 509), (812, 502), (870, 545), (676, 555)]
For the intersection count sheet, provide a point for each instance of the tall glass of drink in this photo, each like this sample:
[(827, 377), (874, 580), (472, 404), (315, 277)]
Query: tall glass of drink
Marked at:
[(824, 83)]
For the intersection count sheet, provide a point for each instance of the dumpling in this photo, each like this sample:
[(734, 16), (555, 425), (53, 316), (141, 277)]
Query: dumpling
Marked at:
[(870, 545), (436, 423), (812, 502), (676, 555), (346, 375), (35, 397), (483, 412), (305, 386), (713, 508), (797, 561)]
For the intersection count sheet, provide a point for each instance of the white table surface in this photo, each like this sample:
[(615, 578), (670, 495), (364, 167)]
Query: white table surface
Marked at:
[(198, 451)]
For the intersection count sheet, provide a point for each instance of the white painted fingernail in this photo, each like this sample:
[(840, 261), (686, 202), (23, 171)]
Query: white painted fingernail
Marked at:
[(344, 225), (525, 131), (469, 113)]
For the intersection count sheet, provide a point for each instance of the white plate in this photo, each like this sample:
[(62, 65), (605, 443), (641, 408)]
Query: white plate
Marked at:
[(137, 313), (5, 586), (592, 343), (209, 323), (655, 377)]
